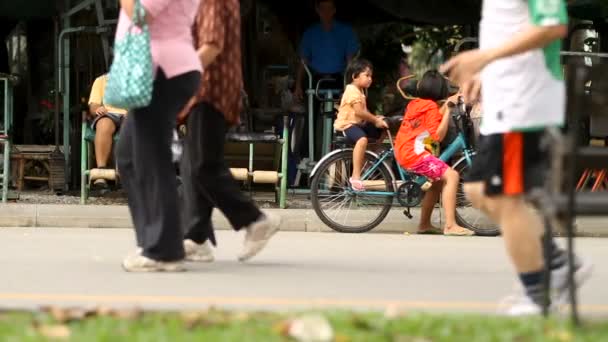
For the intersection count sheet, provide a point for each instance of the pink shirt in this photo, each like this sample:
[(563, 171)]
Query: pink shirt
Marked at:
[(170, 24)]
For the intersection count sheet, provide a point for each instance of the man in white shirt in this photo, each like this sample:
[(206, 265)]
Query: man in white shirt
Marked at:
[(518, 64)]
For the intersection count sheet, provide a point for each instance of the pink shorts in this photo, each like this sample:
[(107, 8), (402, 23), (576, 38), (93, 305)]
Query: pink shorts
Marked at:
[(430, 167)]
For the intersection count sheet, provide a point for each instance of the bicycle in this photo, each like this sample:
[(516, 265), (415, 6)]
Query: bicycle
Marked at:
[(331, 190)]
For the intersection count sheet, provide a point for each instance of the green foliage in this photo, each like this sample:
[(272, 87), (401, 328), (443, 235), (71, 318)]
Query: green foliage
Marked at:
[(431, 46), (216, 325)]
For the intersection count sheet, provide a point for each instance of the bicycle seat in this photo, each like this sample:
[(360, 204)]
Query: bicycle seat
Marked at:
[(341, 141), (252, 137)]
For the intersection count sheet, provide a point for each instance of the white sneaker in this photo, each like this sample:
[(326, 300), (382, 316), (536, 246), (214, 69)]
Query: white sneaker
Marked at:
[(519, 305), (138, 263), (559, 280), (198, 251), (258, 234)]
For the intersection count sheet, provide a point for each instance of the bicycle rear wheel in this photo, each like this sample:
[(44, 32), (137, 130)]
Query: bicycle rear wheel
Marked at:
[(466, 215), (343, 209)]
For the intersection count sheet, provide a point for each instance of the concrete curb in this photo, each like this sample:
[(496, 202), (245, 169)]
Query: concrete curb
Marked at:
[(298, 220)]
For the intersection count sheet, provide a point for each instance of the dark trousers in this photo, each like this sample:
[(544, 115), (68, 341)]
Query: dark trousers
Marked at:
[(207, 180), (145, 165)]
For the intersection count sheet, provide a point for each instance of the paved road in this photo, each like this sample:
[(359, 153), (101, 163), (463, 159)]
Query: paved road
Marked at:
[(297, 270)]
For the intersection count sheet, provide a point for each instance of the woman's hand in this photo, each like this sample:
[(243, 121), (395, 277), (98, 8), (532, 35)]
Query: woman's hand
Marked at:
[(101, 111), (183, 114), (129, 7)]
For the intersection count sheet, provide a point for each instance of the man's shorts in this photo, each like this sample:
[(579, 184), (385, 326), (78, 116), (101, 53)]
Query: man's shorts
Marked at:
[(356, 132), (510, 164), (116, 118)]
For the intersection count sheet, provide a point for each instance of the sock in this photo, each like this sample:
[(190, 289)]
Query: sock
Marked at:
[(533, 284), (559, 257)]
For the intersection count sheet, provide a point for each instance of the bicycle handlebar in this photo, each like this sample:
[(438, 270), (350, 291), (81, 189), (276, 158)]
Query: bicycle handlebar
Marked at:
[(398, 85)]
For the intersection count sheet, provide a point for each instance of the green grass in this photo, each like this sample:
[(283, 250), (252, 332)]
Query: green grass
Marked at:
[(226, 326)]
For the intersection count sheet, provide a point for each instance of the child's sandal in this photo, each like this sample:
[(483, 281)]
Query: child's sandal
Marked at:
[(356, 184)]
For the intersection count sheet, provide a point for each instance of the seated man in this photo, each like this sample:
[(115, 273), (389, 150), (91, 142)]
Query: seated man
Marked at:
[(106, 121), (326, 47)]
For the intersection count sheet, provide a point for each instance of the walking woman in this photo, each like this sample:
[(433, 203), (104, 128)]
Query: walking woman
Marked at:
[(217, 106), (144, 148)]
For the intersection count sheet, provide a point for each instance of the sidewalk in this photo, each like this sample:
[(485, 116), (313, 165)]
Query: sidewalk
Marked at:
[(301, 220)]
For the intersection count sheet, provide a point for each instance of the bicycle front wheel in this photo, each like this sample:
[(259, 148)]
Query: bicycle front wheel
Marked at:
[(343, 209)]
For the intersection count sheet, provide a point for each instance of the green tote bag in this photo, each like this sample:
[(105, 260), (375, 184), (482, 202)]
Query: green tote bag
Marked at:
[(130, 80)]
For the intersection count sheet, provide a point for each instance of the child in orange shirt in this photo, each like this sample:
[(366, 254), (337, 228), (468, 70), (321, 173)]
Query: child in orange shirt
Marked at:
[(424, 125), (354, 120)]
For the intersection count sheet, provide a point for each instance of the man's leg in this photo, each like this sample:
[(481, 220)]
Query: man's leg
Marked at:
[(502, 172), (104, 133), (207, 128), (197, 205), (521, 230), (207, 172)]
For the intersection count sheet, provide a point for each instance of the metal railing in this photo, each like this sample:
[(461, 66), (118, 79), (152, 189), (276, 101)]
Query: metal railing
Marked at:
[(6, 131)]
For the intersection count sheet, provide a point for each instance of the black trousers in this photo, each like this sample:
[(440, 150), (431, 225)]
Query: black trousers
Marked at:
[(144, 159), (207, 180)]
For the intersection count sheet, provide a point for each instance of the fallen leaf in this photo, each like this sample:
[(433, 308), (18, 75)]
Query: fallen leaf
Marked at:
[(394, 311), (311, 328), (57, 331), (128, 314), (361, 323), (65, 315), (281, 328), (404, 338), (192, 318), (561, 335), (102, 311), (341, 338), (241, 317)]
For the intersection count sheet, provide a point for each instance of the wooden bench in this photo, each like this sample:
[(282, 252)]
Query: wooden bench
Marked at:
[(50, 158)]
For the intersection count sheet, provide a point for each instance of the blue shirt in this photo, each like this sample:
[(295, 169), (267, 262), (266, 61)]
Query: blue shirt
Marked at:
[(327, 51)]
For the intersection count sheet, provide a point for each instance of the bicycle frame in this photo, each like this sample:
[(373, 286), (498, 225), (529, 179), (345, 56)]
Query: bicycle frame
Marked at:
[(459, 144)]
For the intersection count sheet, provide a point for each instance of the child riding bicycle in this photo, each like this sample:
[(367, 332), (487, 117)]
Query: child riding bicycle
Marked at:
[(355, 121), (424, 125)]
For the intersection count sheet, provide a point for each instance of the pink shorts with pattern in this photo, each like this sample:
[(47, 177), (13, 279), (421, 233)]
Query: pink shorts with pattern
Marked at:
[(430, 167)]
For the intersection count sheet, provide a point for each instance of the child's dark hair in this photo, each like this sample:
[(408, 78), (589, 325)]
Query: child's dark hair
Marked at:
[(433, 86), (356, 67)]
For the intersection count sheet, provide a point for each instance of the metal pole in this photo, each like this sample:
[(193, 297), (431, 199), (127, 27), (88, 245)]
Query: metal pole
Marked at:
[(66, 104), (8, 115), (84, 4), (583, 54), (105, 45), (284, 164), (6, 145), (56, 76), (577, 80), (64, 85), (311, 118)]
